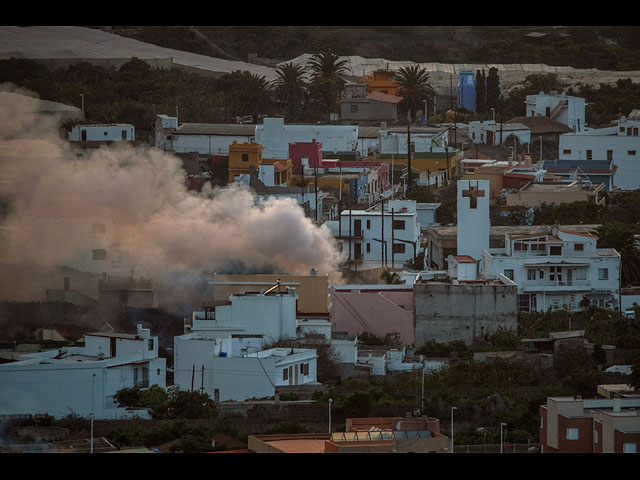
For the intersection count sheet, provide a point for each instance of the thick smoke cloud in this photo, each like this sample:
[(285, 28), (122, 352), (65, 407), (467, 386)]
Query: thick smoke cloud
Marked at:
[(157, 227)]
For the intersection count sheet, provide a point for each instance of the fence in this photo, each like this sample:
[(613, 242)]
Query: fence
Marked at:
[(495, 448)]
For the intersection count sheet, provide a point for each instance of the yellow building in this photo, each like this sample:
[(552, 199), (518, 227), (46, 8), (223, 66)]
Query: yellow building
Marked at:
[(242, 156), (313, 290), (381, 82), (495, 175), (427, 161)]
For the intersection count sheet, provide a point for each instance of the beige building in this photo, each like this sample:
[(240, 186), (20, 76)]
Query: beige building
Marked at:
[(313, 290), (535, 194)]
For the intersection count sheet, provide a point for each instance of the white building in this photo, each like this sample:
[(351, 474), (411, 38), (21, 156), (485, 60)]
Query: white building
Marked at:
[(272, 315), (82, 380), (235, 368), (201, 138), (361, 235), (395, 142), (560, 107), (619, 143), (426, 214), (115, 132), (275, 137), (557, 269), (491, 133)]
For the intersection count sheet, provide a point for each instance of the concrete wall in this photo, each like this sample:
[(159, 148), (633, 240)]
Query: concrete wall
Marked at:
[(445, 312)]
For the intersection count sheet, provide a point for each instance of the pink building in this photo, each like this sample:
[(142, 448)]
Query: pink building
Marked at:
[(377, 309), (308, 154)]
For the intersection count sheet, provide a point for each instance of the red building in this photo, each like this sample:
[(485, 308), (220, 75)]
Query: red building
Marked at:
[(308, 154), (574, 425)]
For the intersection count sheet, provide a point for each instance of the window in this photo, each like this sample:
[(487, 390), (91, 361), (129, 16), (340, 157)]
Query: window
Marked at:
[(609, 155), (581, 273), (628, 448), (285, 374), (631, 153), (98, 228), (305, 369), (589, 155), (496, 243), (578, 247), (412, 146), (509, 273), (541, 274), (368, 248), (635, 131), (398, 224), (99, 254), (566, 151), (603, 274), (245, 157), (106, 133), (398, 248), (621, 129), (150, 344), (595, 436), (368, 224), (354, 108), (572, 433), (531, 274), (555, 250)]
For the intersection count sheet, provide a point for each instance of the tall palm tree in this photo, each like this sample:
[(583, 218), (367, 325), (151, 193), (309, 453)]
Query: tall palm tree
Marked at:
[(290, 87), (414, 87), (254, 95), (326, 78)]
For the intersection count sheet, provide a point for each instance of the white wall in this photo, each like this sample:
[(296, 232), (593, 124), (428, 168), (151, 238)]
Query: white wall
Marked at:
[(275, 137), (102, 133)]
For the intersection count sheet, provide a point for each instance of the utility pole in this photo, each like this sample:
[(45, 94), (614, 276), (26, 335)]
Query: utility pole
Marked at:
[(409, 155)]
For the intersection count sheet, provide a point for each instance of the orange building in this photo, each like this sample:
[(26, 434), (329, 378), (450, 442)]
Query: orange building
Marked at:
[(381, 81)]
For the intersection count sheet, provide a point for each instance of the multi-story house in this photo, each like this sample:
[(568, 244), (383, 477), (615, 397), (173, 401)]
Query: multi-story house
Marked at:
[(557, 268), (82, 380), (563, 108), (378, 238), (576, 425), (619, 144)]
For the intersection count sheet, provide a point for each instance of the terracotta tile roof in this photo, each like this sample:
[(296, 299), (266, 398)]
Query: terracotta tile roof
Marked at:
[(384, 97), (464, 259), (540, 125)]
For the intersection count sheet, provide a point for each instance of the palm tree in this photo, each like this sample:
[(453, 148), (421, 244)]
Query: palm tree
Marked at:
[(621, 237), (253, 95), (390, 278), (414, 87), (326, 70), (290, 87)]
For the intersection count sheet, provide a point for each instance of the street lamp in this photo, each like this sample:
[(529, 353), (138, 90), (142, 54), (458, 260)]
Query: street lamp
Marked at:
[(425, 111), (502, 437), (452, 409), (330, 402)]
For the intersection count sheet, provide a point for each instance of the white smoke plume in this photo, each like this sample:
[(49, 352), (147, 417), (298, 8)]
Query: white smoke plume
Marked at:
[(174, 236)]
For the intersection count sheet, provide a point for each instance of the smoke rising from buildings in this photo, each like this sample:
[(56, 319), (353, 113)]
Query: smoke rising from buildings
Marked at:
[(149, 222)]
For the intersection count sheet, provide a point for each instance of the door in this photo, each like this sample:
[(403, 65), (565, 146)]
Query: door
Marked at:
[(489, 137), (357, 228), (290, 375), (295, 367), (358, 251), (569, 276)]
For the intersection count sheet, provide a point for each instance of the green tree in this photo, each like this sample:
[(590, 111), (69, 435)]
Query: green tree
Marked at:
[(493, 89), (253, 95), (481, 92), (390, 277), (621, 237), (414, 87), (190, 405), (290, 88), (327, 71)]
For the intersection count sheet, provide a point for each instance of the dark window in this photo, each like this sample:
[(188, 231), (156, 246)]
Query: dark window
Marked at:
[(398, 224), (398, 248), (368, 248), (589, 155), (354, 108), (245, 157), (509, 273), (578, 247), (631, 152), (555, 250), (566, 151), (285, 374), (368, 224), (151, 344), (99, 254), (609, 155)]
